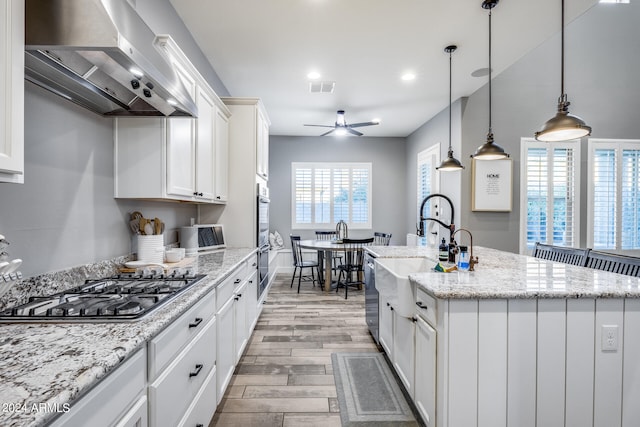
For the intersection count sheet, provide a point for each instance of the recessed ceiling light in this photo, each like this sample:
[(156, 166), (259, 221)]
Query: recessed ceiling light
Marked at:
[(313, 75), (408, 77)]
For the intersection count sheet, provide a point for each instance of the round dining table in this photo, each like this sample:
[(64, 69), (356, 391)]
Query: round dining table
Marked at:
[(326, 246)]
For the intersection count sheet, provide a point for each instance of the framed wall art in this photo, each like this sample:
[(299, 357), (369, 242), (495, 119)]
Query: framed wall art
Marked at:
[(491, 185)]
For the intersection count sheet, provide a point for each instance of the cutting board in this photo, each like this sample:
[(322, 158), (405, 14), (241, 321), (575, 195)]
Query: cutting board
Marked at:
[(183, 263)]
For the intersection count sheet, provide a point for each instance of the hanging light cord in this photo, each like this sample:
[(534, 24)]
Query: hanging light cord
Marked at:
[(563, 103), (490, 135), (450, 150)]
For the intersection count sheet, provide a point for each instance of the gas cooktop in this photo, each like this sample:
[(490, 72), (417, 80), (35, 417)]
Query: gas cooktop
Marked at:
[(125, 297)]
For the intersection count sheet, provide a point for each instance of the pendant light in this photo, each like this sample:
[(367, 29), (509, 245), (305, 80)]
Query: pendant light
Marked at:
[(563, 126), (489, 150), (451, 163)]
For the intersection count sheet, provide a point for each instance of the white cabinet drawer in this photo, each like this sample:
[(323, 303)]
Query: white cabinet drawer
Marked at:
[(204, 406), (427, 307), (111, 398), (174, 390), (230, 284), (164, 347)]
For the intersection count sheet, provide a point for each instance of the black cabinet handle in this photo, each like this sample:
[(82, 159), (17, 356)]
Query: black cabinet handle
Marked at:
[(236, 282), (199, 425), (218, 197), (388, 305), (196, 372), (414, 319), (254, 264), (196, 323), (419, 304)]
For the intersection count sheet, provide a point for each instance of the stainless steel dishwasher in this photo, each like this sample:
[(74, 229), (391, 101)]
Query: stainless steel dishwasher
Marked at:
[(371, 296)]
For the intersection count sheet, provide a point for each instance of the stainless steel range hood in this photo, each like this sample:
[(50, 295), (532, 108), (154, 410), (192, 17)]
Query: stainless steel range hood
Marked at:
[(100, 54)]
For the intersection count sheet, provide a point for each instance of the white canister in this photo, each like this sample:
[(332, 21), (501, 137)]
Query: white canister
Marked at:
[(151, 248), (189, 240)]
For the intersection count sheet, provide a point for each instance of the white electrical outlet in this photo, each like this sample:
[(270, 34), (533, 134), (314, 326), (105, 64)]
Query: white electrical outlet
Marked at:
[(609, 338)]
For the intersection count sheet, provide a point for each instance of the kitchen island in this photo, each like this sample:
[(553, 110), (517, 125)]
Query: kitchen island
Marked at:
[(46, 368), (518, 342)]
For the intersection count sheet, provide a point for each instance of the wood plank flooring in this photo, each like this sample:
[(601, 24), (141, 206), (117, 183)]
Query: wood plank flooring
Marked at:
[(285, 378)]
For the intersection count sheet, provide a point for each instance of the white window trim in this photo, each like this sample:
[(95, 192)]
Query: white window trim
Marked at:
[(618, 145), (423, 155), (526, 143), (330, 165)]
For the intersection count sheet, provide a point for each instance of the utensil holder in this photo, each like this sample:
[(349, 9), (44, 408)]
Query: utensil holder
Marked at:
[(151, 248)]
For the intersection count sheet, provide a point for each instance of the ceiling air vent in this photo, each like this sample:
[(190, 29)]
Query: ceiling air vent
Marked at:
[(321, 87)]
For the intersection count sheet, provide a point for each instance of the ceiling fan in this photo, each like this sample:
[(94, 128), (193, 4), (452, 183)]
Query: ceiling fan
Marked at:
[(341, 127)]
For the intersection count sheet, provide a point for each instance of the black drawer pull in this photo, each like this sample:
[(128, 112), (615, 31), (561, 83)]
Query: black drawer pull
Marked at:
[(419, 304), (237, 281), (196, 323), (239, 295), (254, 264), (199, 425), (196, 372)]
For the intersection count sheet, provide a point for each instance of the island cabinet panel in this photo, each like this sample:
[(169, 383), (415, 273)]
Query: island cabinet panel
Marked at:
[(492, 355), (607, 402), (630, 369), (551, 362), (580, 361), (521, 372), (463, 362)]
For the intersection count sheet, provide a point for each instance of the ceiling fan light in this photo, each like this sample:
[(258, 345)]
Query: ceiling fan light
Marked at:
[(563, 127), (450, 164), (340, 132)]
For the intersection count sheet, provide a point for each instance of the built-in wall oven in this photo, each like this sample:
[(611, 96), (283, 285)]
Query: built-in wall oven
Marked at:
[(263, 238)]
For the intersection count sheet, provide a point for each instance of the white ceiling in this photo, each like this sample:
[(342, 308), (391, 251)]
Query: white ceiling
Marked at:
[(265, 49)]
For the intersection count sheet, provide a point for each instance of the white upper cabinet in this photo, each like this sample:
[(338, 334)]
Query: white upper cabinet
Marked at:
[(12, 91), (262, 148), (221, 156), (176, 158)]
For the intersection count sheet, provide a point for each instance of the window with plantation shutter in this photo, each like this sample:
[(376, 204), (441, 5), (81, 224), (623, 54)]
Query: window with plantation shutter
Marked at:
[(325, 193), (614, 194), (427, 180), (550, 200)]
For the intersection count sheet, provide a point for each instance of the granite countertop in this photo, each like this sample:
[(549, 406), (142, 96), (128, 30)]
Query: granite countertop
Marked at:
[(57, 363), (507, 275)]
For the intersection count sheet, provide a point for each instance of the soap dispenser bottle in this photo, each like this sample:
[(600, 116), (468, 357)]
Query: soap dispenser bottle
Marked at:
[(443, 251)]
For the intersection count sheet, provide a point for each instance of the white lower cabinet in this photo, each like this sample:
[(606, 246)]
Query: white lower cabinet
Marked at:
[(386, 327), (201, 410), (113, 399), (225, 349), (252, 302), (137, 415), (403, 349), (240, 329), (397, 338), (424, 394), (175, 389)]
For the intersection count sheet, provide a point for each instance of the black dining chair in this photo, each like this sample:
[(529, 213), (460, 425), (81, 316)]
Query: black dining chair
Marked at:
[(381, 239), (336, 257), (353, 265), (614, 263), (300, 263), (572, 256)]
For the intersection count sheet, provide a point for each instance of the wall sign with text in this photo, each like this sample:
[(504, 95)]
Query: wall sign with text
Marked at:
[(491, 185)]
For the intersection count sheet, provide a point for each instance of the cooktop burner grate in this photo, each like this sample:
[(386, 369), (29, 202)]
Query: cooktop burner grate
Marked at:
[(114, 299)]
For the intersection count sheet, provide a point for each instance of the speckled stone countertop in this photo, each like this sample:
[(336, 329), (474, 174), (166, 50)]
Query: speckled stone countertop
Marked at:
[(507, 275), (57, 363)]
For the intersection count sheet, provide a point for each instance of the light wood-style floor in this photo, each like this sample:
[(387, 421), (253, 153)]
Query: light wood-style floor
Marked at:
[(285, 377)]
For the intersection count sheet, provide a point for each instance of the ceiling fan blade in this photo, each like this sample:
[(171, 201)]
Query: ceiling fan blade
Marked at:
[(353, 132), (357, 125), (322, 126), (328, 133)]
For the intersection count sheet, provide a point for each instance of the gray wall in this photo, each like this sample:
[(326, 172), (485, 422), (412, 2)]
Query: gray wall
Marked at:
[(387, 156), (64, 215), (436, 132), (601, 81)]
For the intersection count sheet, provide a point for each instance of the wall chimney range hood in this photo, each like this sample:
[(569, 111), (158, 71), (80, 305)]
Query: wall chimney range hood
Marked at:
[(100, 54)]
